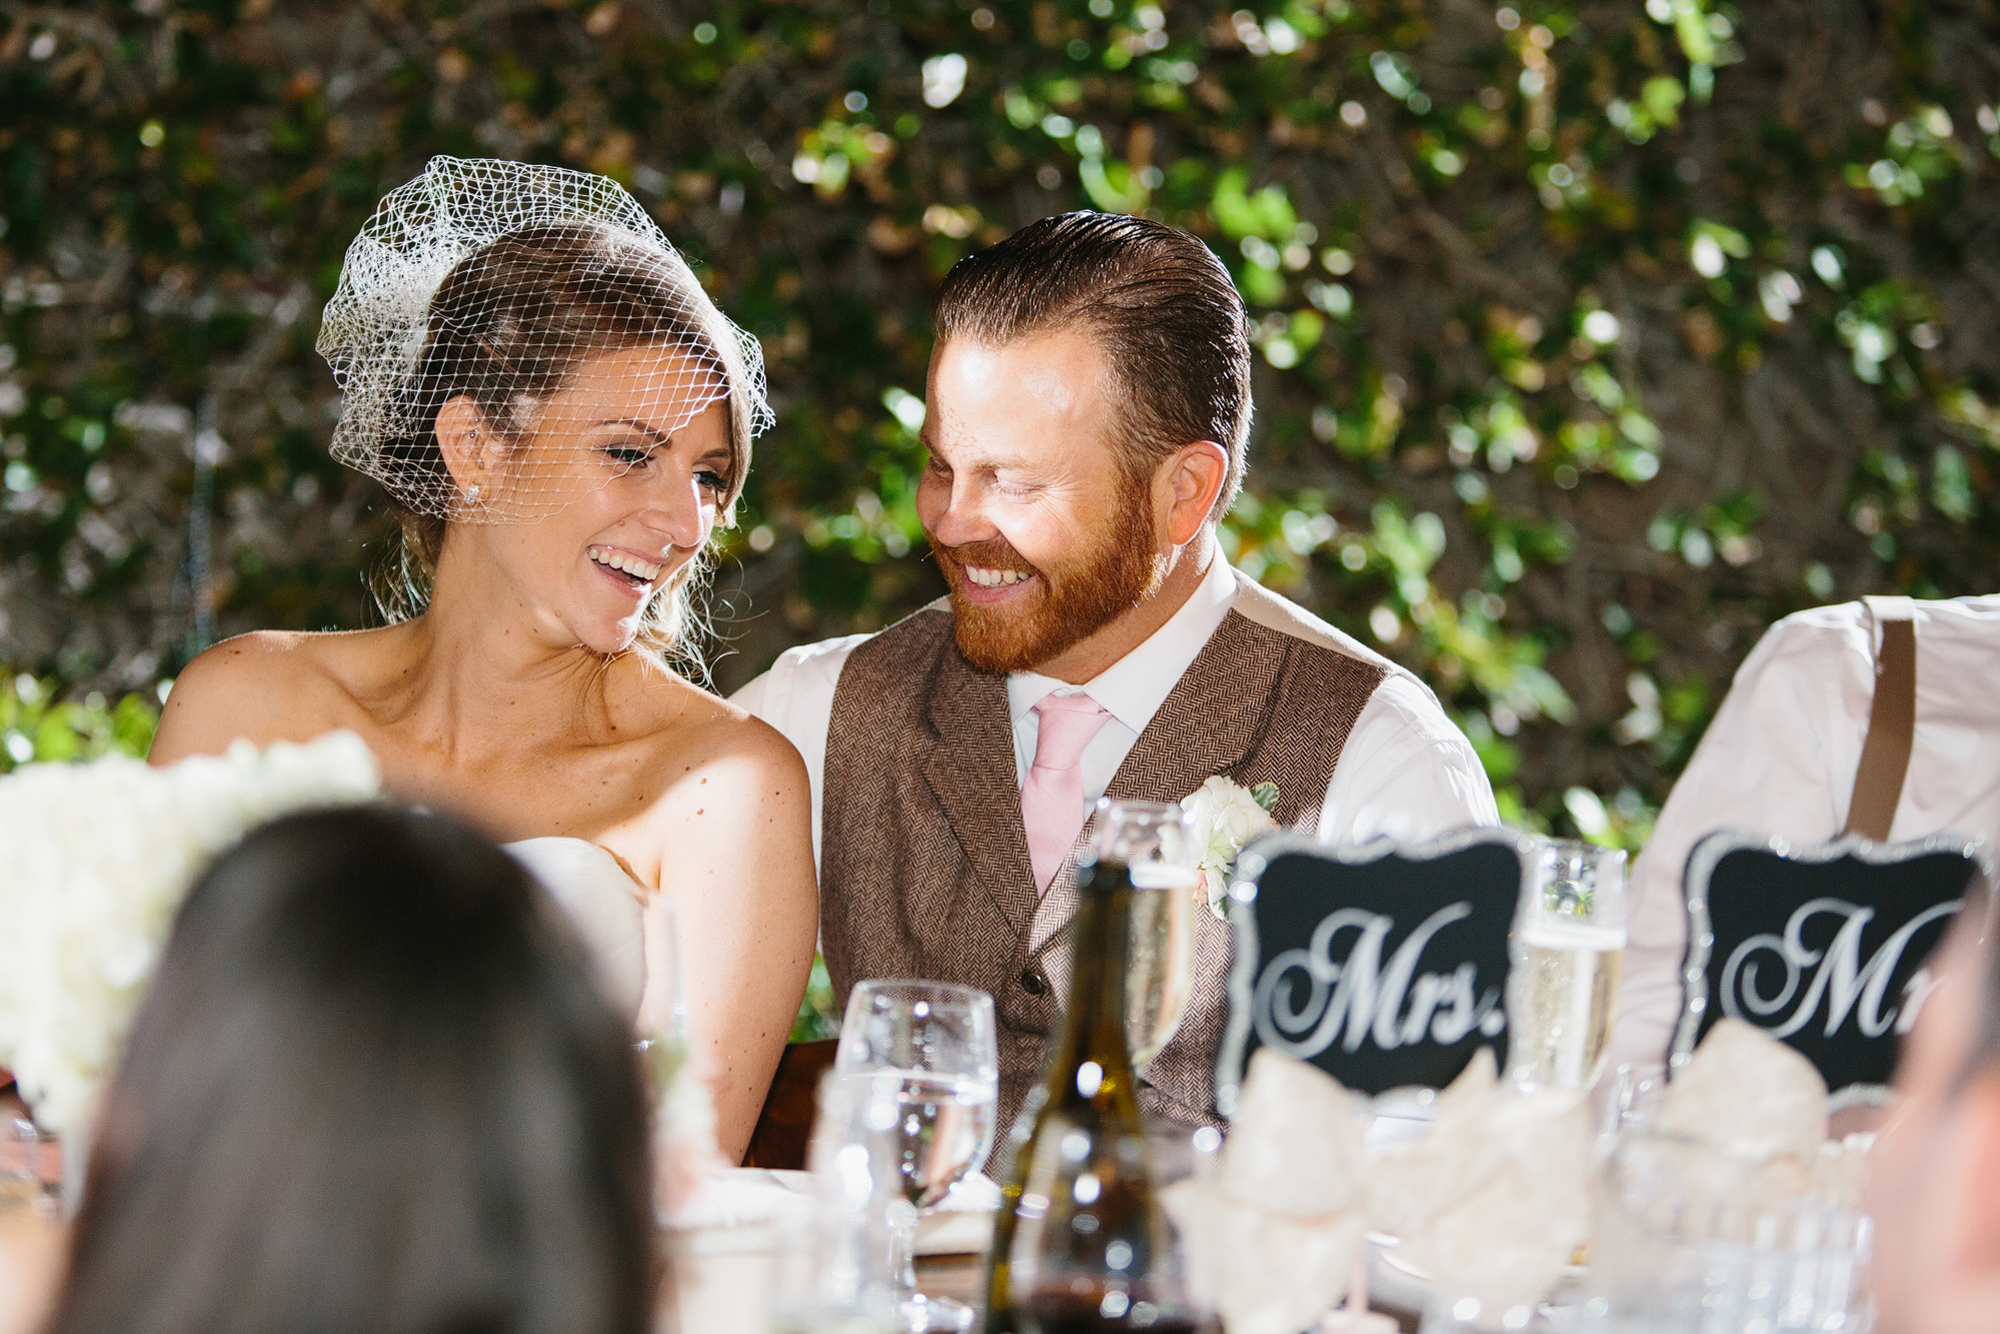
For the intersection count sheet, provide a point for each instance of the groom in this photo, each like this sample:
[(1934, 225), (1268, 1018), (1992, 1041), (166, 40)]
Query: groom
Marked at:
[(1088, 405)]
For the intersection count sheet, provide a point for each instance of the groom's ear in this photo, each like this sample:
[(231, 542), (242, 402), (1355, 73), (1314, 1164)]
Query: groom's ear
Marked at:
[(1188, 483), (469, 447)]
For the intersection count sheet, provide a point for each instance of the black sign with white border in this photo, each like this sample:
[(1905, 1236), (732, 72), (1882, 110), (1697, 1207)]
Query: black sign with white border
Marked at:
[(1822, 945), (1385, 965)]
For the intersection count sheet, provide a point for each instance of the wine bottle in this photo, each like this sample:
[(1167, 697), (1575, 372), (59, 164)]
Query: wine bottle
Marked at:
[(1080, 1242)]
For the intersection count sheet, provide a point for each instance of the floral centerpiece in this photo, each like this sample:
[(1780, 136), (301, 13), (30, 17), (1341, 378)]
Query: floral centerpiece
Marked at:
[(98, 856)]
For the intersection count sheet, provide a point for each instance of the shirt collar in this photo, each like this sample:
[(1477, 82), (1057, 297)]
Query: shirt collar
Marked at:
[(1133, 688)]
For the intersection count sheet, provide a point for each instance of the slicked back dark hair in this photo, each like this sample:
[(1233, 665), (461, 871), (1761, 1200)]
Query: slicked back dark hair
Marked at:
[(372, 1088), (1158, 303)]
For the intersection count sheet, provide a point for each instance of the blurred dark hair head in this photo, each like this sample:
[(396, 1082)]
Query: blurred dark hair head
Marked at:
[(372, 1088), (1158, 303)]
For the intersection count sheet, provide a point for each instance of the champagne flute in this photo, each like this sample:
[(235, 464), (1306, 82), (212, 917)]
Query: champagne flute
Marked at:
[(938, 1042), (1563, 993), (1156, 841)]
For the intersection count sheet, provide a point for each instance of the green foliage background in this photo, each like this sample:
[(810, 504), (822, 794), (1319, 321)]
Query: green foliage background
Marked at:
[(1594, 335)]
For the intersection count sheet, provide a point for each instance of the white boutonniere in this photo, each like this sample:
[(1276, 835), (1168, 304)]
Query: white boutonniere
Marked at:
[(1226, 815)]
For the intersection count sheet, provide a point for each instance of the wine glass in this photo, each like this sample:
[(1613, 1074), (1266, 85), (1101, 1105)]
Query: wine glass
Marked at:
[(834, 1273), (1156, 841), (662, 1042), (22, 1169), (938, 1042), (1563, 992), (1684, 1239)]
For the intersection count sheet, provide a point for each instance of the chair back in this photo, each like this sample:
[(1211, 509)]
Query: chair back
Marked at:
[(1823, 946), (784, 1126), (1383, 965)]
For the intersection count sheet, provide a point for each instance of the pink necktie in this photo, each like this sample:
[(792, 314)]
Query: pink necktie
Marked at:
[(1052, 796)]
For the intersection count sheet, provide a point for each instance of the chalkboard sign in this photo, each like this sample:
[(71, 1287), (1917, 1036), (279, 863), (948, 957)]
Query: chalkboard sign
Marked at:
[(1823, 946), (1383, 965)]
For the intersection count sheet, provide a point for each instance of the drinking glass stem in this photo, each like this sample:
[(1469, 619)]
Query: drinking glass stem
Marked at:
[(903, 1248), (75, 1169)]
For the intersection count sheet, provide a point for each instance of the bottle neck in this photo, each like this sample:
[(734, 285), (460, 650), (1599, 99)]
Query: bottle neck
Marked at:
[(1094, 1028)]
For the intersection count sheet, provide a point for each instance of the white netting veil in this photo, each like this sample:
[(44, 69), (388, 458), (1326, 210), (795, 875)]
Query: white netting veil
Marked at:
[(513, 338)]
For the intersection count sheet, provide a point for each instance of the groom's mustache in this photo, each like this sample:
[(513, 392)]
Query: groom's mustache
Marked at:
[(992, 554)]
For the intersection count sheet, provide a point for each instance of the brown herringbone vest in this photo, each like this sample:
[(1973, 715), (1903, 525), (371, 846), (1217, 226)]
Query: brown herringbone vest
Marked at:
[(924, 862)]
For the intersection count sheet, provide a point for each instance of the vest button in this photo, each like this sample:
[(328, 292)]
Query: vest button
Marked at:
[(1032, 983)]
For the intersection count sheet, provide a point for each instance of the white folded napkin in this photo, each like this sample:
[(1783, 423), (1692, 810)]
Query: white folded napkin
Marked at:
[(1272, 1236), (962, 1222), (1410, 1177), (1295, 1144), (740, 1197), (1493, 1203), (754, 1197), (1751, 1119), (1749, 1095)]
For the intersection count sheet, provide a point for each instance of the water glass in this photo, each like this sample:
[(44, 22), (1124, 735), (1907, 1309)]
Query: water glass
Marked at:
[(27, 1169), (835, 1269), (1562, 996), (1687, 1243), (934, 1047)]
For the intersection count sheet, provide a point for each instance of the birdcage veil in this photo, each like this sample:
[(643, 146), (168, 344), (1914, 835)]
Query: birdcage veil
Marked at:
[(481, 291)]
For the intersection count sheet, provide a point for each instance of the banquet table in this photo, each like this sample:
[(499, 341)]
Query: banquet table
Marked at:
[(722, 1270), (960, 1276), (723, 1261)]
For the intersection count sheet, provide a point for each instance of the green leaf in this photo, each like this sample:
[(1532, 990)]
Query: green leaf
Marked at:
[(816, 1019)]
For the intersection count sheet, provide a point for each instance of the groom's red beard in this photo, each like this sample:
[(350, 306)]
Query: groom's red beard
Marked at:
[(1071, 601)]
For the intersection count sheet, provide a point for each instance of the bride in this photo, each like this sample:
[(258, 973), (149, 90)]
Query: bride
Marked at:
[(561, 418)]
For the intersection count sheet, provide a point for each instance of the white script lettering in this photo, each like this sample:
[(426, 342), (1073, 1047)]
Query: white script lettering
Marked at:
[(1358, 998), (1834, 978)]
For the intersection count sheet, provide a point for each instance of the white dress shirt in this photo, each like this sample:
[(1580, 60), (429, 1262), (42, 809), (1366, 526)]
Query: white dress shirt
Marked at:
[(1780, 760), (1407, 771)]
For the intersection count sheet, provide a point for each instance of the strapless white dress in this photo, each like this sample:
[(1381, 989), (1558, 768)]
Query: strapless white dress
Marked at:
[(604, 905)]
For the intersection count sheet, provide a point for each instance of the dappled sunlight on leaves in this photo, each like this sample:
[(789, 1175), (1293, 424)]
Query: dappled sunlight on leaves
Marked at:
[(1672, 308)]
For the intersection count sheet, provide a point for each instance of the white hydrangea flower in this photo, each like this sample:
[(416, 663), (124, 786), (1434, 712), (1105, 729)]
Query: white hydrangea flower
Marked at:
[(98, 856), (1226, 815)]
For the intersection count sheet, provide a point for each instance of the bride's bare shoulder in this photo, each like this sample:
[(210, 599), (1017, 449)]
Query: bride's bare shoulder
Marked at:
[(731, 792), (707, 731), (269, 685)]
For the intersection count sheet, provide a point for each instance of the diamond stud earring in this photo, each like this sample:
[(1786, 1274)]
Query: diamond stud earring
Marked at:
[(472, 495)]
